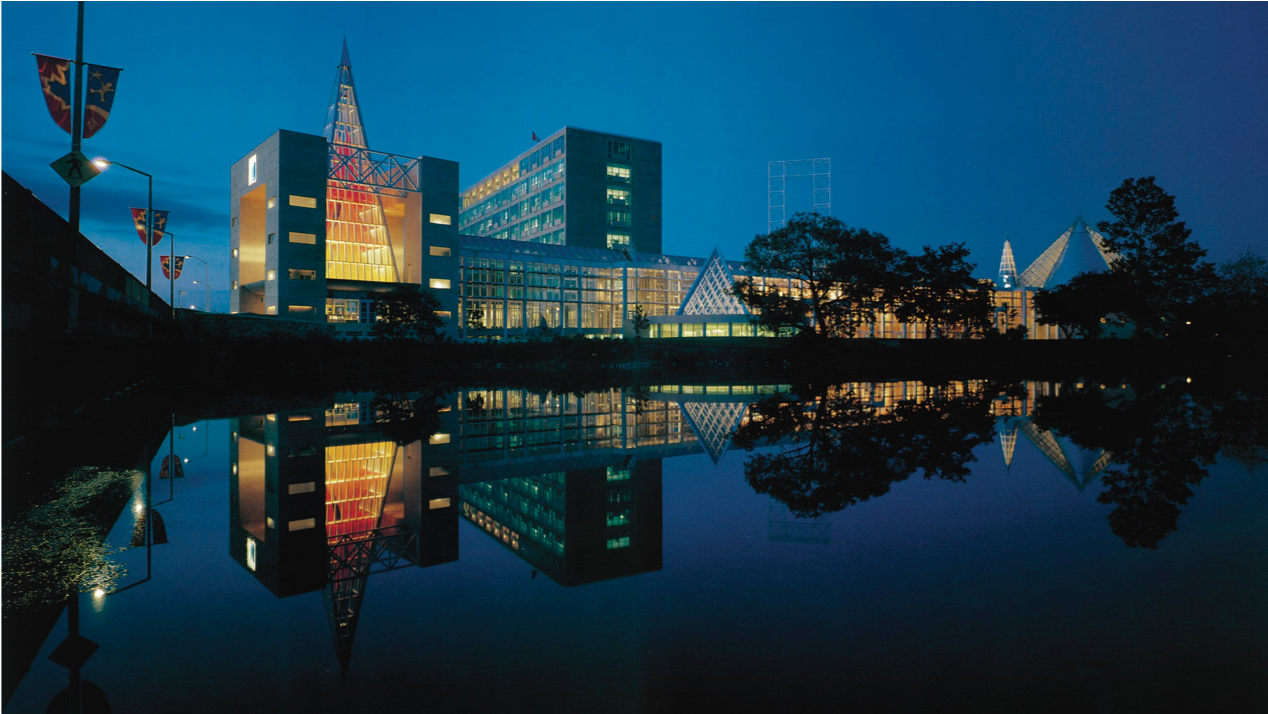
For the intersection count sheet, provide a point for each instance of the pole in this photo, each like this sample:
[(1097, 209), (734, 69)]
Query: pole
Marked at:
[(171, 274), (77, 116), (149, 231), (207, 283)]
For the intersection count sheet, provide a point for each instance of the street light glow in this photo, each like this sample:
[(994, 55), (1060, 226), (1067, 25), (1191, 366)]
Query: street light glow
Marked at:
[(101, 162)]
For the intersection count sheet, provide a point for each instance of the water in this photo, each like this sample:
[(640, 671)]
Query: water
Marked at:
[(646, 572)]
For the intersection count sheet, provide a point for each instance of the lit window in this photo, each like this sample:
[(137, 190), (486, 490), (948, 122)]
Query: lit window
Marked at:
[(438, 284), (270, 523), (235, 252), (303, 201), (438, 471), (619, 196), (623, 542), (438, 439), (272, 202), (235, 285), (299, 308), (270, 450), (618, 217), (618, 174), (306, 523), (619, 518), (303, 274), (271, 310), (295, 488), (435, 503), (439, 219), (251, 170), (444, 314), (251, 541), (439, 252), (617, 240), (271, 275)]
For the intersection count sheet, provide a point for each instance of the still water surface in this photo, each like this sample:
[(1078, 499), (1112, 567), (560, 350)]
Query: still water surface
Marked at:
[(881, 547)]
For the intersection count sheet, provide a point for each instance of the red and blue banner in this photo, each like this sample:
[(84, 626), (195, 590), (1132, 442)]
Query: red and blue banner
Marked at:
[(55, 80), (179, 263), (160, 224), (101, 88)]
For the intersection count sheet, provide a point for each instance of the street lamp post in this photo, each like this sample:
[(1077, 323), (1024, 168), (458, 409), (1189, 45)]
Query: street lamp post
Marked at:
[(149, 214), (206, 277)]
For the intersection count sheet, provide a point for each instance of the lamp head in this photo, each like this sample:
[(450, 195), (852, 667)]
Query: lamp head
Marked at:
[(101, 162)]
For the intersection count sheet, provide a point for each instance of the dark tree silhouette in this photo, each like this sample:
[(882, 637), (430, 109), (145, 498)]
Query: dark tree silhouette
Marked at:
[(846, 275), (407, 312), (405, 418), (937, 287), (1085, 305), (838, 451)]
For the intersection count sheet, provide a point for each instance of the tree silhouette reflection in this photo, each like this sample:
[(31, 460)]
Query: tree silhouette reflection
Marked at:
[(843, 444), (1163, 435)]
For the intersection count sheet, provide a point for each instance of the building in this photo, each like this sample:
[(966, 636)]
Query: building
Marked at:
[(576, 187), (320, 224)]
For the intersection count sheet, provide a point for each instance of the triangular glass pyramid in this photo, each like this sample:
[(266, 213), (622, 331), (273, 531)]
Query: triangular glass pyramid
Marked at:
[(358, 244), (1043, 272), (711, 293), (714, 423)]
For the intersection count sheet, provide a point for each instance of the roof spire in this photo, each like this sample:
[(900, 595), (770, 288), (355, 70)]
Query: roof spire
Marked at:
[(345, 61)]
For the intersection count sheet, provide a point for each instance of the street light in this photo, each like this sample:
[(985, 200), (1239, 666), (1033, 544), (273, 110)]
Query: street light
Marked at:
[(206, 278), (102, 163)]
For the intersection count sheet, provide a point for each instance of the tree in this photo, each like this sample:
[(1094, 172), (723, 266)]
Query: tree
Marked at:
[(1160, 265), (639, 321), (407, 312), (1238, 306), (1085, 305), (841, 276), (475, 316), (937, 287)]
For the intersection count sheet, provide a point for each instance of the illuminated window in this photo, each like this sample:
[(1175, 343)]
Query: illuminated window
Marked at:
[(444, 314), (235, 252), (435, 503), (439, 252), (438, 471), (439, 219), (438, 284), (299, 309), (303, 274), (619, 518), (271, 310), (251, 541), (618, 217), (270, 523), (618, 174), (303, 201), (306, 523), (271, 275), (251, 170), (623, 542), (272, 202), (235, 285), (438, 439), (619, 196), (295, 488), (618, 474), (617, 240), (305, 238), (270, 450)]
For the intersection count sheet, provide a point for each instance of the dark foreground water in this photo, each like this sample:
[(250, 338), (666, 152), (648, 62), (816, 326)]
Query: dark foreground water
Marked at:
[(618, 551)]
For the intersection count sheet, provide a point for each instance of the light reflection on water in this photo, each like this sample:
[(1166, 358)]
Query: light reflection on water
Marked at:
[(508, 548)]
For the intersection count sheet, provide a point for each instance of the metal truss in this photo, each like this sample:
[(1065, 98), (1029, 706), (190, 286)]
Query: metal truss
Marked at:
[(374, 171), (711, 292), (358, 555), (1007, 439), (777, 175), (1051, 449), (784, 528)]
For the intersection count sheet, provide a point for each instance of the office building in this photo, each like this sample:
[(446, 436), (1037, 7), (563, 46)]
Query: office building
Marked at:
[(577, 188)]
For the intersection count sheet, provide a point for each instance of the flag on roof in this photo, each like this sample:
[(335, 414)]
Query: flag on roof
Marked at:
[(55, 82), (535, 139)]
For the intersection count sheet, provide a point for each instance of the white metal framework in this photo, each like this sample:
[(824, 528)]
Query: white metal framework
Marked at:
[(777, 175), (1007, 268), (714, 423), (783, 527)]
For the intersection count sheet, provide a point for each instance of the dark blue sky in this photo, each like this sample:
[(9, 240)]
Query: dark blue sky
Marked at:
[(944, 122)]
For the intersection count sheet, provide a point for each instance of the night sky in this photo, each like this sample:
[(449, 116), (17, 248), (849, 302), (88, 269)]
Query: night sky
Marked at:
[(944, 122)]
